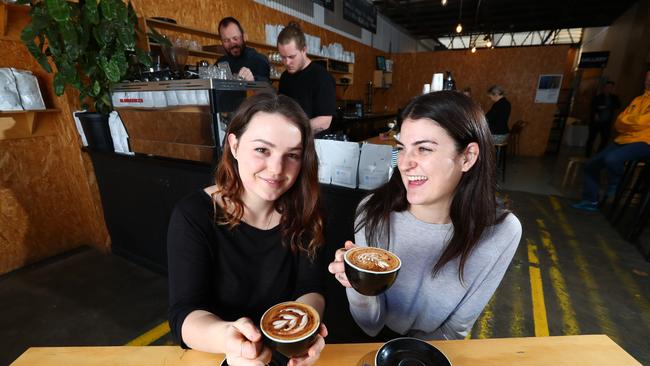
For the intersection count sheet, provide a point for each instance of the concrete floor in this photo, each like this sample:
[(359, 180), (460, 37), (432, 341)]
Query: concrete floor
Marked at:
[(592, 282)]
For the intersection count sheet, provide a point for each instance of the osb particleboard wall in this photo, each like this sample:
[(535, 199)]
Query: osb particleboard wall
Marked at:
[(252, 16), (516, 69), (49, 202)]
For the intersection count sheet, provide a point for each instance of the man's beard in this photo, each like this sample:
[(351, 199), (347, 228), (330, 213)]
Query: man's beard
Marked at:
[(241, 50)]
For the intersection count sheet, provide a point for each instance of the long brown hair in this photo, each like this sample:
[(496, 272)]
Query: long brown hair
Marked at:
[(473, 207), (301, 223)]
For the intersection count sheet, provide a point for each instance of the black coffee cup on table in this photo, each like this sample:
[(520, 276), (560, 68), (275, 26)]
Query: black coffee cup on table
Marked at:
[(370, 270), (290, 327)]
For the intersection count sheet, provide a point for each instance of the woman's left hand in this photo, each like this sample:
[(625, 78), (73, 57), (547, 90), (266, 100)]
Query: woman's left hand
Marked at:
[(313, 353)]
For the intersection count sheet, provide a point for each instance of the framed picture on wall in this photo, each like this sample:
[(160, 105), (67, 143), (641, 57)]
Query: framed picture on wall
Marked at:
[(548, 88), (381, 63)]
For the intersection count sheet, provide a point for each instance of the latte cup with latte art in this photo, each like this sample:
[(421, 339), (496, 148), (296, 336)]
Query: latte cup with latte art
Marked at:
[(290, 327), (371, 271)]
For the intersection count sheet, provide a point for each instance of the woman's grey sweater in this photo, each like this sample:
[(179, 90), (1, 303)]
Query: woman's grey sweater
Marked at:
[(439, 307)]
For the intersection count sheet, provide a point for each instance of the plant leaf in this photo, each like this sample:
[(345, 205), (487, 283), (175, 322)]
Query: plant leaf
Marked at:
[(59, 84), (143, 57), (58, 9), (126, 37), (96, 89), (70, 39), (110, 68), (109, 9), (90, 12)]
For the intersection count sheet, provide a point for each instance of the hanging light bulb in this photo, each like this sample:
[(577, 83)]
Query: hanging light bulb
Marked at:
[(459, 28), (489, 43), (474, 49), (443, 2)]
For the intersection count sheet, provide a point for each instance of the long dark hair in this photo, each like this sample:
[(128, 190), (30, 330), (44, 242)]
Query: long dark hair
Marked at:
[(301, 223), (473, 207)]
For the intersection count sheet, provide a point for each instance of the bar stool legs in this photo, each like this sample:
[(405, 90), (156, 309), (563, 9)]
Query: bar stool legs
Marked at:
[(572, 167)]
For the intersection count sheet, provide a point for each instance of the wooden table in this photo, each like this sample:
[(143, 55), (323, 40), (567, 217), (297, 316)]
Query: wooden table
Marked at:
[(566, 350)]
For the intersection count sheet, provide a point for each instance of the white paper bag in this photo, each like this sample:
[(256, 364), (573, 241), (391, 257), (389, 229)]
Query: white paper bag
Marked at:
[(9, 97), (374, 165), (324, 167), (343, 160), (30, 93)]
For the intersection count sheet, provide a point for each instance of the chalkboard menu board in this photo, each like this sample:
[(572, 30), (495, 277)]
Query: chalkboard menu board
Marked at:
[(361, 13), (327, 4)]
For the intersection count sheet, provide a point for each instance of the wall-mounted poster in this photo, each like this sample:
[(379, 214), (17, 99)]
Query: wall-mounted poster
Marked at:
[(548, 88)]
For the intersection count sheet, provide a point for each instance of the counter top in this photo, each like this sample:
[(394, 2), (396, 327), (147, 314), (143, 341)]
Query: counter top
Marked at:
[(564, 350)]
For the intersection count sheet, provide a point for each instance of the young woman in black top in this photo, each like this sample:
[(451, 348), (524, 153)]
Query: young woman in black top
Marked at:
[(249, 241)]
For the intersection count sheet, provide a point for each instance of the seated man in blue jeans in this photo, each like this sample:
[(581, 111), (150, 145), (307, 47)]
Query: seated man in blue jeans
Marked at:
[(632, 143)]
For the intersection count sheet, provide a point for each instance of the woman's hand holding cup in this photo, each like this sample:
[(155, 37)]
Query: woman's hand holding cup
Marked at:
[(313, 353), (337, 268), (244, 345)]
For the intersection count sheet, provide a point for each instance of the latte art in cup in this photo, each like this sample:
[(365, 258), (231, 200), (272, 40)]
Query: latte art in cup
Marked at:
[(290, 321), (373, 259)]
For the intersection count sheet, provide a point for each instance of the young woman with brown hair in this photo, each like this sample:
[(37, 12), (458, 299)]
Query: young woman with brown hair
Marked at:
[(249, 241), (438, 213)]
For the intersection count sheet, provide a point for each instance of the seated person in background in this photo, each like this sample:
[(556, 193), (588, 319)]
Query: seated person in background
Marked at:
[(632, 143), (244, 61), (438, 213), (603, 107), (307, 82), (249, 241), (499, 114)]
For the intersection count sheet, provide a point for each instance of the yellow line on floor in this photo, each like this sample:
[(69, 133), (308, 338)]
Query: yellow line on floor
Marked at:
[(627, 281), (564, 223), (517, 295), (150, 336), (537, 292), (596, 303), (485, 321), (538, 205), (570, 324)]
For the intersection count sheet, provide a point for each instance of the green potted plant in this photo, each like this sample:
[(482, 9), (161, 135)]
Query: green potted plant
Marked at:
[(90, 44)]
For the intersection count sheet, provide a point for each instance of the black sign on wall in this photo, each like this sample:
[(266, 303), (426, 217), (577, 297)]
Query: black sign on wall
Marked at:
[(361, 13), (327, 4), (593, 60)]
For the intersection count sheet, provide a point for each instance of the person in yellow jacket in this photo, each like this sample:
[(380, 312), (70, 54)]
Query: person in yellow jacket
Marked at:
[(632, 143)]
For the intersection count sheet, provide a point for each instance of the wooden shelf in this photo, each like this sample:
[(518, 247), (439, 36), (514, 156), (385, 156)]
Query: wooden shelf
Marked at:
[(180, 28), (24, 124), (195, 53), (208, 50)]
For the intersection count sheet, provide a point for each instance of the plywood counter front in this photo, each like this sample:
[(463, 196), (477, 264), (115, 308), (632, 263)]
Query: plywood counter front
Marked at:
[(567, 350)]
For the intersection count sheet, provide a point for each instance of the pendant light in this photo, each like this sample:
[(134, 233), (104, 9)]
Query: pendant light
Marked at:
[(459, 27), (443, 2)]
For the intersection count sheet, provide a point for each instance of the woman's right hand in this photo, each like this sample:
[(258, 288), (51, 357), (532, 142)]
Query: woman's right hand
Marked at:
[(337, 268), (244, 345)]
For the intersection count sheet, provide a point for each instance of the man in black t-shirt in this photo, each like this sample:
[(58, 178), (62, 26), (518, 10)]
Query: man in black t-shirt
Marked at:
[(308, 83), (244, 61)]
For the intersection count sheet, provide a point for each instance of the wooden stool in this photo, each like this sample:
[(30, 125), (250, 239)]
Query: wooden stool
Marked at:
[(572, 166)]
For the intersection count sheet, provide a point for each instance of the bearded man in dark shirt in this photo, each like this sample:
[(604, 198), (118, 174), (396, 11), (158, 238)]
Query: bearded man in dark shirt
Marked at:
[(244, 61)]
